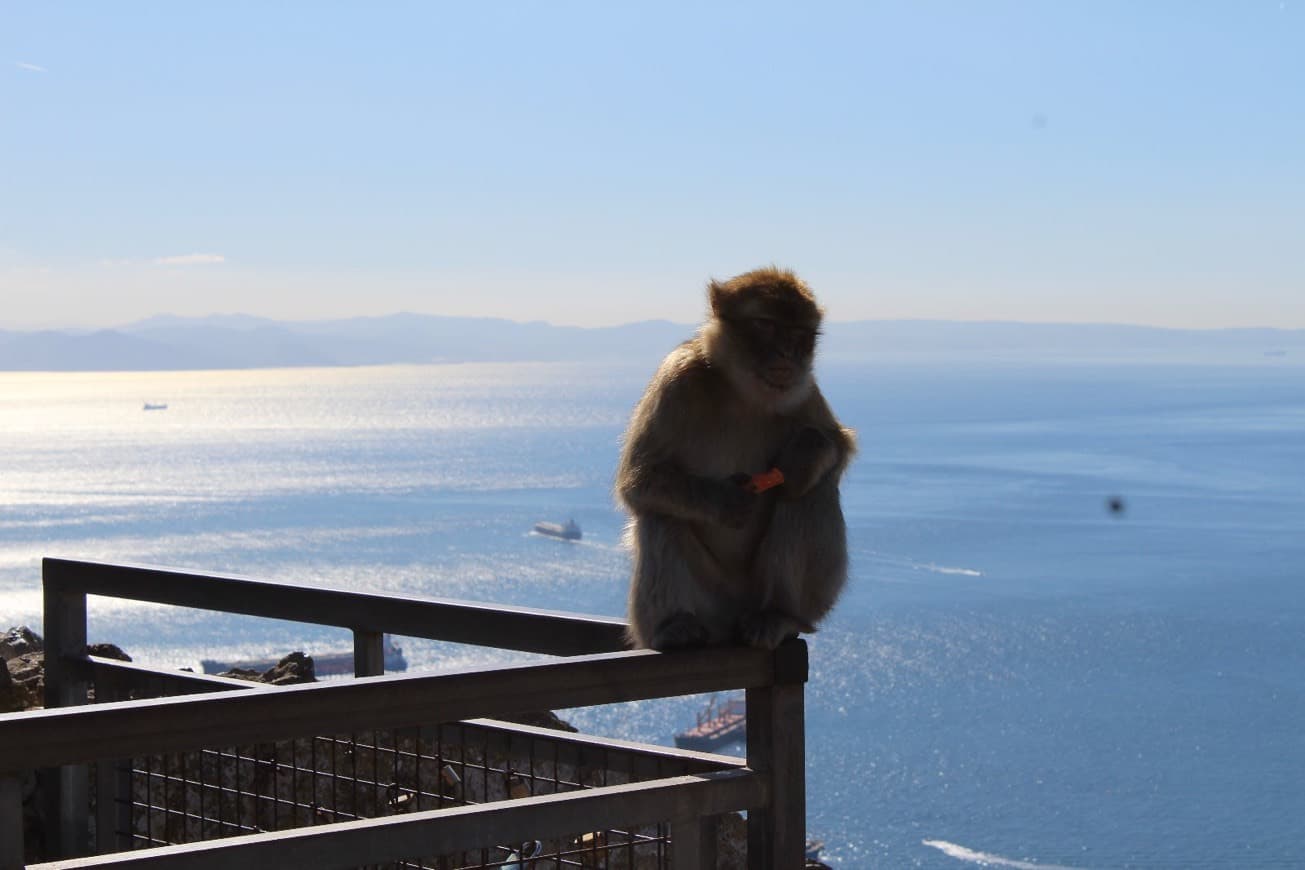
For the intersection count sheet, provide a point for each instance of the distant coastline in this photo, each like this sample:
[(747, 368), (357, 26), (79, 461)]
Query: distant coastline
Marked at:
[(169, 343)]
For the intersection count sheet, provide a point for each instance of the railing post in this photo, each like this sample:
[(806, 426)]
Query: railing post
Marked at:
[(112, 806), (368, 653), (693, 843), (112, 781), (67, 787), (777, 749), (11, 822)]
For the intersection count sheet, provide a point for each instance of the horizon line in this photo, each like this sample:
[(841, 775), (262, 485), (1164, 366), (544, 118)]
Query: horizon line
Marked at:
[(194, 319)]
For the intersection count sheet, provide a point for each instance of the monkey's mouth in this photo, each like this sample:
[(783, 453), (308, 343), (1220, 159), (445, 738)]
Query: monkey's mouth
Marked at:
[(779, 377)]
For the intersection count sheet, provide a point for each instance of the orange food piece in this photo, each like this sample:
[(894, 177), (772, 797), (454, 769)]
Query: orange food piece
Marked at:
[(766, 480)]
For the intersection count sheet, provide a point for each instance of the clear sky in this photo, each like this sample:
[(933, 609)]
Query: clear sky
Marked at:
[(595, 163)]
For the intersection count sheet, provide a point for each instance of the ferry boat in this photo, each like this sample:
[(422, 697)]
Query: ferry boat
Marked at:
[(325, 665), (717, 724), (567, 531)]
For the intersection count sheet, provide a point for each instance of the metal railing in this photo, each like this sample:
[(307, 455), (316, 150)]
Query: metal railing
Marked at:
[(667, 798)]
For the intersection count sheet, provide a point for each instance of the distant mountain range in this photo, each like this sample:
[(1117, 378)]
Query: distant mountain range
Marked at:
[(241, 341)]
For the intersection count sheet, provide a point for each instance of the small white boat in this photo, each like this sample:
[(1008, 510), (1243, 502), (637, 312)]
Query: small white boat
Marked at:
[(151, 406)]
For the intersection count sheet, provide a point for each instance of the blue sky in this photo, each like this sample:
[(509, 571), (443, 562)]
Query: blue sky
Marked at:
[(595, 163)]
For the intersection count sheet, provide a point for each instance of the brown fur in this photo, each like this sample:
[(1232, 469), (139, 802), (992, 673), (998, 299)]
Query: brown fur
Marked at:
[(713, 562)]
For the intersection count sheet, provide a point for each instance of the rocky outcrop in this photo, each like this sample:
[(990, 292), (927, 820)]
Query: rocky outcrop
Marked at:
[(294, 668), (22, 679), (541, 719), (18, 641), (107, 651)]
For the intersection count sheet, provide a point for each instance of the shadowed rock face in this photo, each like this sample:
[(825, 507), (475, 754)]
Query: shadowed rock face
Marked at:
[(26, 683), (22, 679)]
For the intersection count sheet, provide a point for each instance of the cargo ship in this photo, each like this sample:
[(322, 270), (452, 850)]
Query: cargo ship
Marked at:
[(717, 724)]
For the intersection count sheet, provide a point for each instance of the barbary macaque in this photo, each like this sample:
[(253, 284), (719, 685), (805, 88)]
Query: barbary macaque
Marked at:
[(721, 553)]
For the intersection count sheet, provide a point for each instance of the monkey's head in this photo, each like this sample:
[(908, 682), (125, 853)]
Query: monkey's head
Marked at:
[(762, 331)]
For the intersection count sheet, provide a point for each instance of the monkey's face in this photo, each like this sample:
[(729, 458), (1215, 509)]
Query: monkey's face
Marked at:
[(778, 351), (763, 329)]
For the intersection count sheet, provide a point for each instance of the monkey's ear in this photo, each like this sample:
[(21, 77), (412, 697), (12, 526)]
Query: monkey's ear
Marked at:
[(716, 295)]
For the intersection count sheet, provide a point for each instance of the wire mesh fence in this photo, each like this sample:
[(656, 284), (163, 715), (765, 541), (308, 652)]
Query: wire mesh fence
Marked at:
[(188, 797)]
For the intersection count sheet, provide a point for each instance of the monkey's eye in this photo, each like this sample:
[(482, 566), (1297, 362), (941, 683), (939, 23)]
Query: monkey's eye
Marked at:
[(763, 328)]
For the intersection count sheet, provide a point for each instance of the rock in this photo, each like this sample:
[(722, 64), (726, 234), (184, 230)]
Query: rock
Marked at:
[(23, 685), (8, 695), (294, 668), (540, 719), (18, 641), (107, 651)]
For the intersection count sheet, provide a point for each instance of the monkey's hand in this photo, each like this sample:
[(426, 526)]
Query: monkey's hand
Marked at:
[(736, 503), (805, 460)]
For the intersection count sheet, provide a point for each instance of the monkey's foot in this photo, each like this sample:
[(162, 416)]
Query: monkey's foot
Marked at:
[(767, 629), (679, 630)]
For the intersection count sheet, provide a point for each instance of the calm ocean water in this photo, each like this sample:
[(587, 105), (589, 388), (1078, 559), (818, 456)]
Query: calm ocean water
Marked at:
[(1016, 676)]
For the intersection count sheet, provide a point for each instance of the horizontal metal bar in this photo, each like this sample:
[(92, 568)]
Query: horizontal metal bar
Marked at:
[(128, 728), (516, 628), (436, 832)]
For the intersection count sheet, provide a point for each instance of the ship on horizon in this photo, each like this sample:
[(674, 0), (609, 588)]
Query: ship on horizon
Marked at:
[(568, 531)]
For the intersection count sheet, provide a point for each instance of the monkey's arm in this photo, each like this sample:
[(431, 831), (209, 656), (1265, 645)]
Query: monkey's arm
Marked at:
[(648, 484), (820, 448), (652, 477)]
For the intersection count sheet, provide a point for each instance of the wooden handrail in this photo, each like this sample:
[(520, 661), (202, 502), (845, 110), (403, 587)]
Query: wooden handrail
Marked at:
[(123, 729), (102, 671), (516, 628)]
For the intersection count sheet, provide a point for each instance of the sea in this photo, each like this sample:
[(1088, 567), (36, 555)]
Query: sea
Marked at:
[(1074, 634)]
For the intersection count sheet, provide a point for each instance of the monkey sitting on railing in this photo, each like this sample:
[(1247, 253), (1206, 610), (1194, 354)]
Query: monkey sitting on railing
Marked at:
[(730, 471)]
